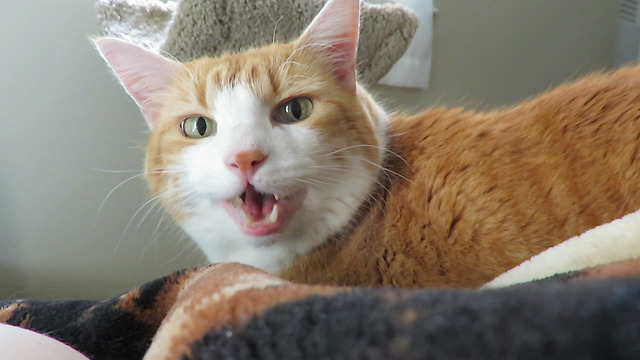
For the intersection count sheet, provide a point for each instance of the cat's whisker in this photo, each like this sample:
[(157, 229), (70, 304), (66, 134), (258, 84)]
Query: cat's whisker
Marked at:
[(177, 255), (100, 208), (313, 183), (382, 168), (293, 53), (161, 218), (174, 76), (275, 28), (371, 197), (301, 48), (291, 62), (167, 172), (385, 149), (170, 231), (295, 77), (287, 62), (330, 181), (155, 98), (193, 77), (155, 205), (347, 170), (388, 171), (332, 167), (377, 147), (343, 169), (126, 228), (116, 171), (396, 134), (177, 197)]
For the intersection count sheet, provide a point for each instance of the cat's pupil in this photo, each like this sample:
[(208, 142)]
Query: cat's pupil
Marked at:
[(201, 125), (293, 110), (296, 109)]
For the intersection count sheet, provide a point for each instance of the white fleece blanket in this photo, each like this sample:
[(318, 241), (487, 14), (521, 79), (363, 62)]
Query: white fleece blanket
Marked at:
[(616, 241)]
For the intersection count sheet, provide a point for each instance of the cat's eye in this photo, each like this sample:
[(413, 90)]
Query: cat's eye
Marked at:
[(293, 111), (198, 127)]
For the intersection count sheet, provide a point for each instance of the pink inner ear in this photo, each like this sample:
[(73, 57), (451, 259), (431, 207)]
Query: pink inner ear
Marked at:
[(145, 75), (333, 34)]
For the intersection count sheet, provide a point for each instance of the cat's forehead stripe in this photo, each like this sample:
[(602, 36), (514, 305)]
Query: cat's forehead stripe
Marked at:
[(257, 70)]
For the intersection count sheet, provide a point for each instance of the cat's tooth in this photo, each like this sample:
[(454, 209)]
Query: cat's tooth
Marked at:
[(273, 217), (247, 219), (277, 197), (236, 201)]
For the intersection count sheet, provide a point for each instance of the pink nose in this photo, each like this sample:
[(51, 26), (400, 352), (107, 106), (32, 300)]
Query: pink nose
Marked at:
[(247, 162)]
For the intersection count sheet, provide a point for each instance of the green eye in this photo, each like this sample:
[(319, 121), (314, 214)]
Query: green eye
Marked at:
[(293, 111), (198, 127)]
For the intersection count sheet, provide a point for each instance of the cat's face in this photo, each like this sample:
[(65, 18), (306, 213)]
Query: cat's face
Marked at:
[(259, 156)]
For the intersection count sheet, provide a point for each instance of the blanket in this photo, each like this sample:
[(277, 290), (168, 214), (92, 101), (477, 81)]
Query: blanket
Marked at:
[(233, 311), (615, 241), (189, 29)]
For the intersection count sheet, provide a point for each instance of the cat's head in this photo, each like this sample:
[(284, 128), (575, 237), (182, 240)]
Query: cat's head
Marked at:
[(261, 155)]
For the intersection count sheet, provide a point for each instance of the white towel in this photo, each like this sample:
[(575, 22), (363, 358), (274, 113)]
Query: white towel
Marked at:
[(414, 68)]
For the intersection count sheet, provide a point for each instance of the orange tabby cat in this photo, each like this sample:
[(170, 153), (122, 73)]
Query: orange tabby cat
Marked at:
[(277, 158)]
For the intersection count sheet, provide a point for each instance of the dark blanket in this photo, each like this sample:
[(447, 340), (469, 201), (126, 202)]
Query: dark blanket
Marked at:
[(233, 311)]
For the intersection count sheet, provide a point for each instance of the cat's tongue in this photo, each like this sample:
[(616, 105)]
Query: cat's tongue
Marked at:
[(260, 214), (258, 205)]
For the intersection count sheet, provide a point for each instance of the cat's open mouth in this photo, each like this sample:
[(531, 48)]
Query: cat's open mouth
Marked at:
[(261, 214)]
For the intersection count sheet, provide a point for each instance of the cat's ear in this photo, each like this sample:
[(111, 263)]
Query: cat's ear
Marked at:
[(144, 74), (333, 36)]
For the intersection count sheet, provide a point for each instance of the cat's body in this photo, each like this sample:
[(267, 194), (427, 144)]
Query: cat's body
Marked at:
[(484, 192), (273, 158)]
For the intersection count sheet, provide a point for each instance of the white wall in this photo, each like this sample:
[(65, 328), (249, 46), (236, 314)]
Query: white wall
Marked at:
[(62, 115), (489, 53)]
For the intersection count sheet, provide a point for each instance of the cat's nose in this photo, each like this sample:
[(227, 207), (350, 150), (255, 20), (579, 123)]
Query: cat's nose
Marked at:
[(247, 162)]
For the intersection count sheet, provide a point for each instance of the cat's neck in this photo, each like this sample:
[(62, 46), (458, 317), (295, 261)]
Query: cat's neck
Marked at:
[(331, 262)]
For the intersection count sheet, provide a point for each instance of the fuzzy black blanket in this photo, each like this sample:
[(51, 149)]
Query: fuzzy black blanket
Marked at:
[(231, 311)]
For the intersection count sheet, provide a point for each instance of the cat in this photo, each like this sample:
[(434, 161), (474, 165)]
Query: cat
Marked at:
[(277, 158)]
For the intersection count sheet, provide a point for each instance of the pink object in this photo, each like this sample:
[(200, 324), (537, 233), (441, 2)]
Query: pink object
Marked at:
[(246, 163), (21, 344)]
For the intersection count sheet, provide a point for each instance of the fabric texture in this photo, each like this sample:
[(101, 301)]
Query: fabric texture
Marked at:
[(189, 29), (142, 22), (232, 311), (615, 241)]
